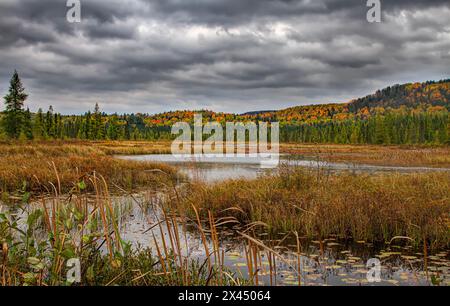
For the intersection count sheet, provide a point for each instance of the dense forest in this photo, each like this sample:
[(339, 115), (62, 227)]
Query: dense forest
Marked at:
[(402, 114)]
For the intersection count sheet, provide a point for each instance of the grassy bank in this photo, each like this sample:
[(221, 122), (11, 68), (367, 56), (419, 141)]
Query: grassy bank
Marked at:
[(315, 204), (318, 205), (407, 156), (418, 156), (37, 166)]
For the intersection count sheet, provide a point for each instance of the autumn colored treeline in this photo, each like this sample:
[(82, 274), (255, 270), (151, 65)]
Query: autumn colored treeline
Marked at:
[(402, 114), (401, 126)]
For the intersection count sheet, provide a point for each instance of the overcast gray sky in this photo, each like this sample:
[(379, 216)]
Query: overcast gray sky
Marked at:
[(224, 55)]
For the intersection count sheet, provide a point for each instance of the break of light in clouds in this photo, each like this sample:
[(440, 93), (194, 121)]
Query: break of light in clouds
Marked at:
[(224, 55)]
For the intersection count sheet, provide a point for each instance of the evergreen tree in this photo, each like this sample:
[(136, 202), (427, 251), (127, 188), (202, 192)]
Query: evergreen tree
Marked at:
[(59, 126), (49, 125), (14, 101), (39, 125), (97, 125), (355, 136), (88, 126), (380, 130), (112, 130), (27, 127), (448, 128)]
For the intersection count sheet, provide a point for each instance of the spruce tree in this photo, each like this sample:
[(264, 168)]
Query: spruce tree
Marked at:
[(448, 129), (97, 125), (27, 126), (88, 125), (14, 101), (39, 125), (49, 124), (113, 128), (380, 130)]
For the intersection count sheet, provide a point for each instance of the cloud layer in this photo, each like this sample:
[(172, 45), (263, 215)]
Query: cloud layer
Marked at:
[(225, 55)]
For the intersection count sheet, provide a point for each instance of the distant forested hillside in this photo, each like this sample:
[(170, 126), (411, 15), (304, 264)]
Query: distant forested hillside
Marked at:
[(409, 95), (401, 114)]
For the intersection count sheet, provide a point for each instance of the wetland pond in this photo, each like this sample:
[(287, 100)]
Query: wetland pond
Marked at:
[(328, 262)]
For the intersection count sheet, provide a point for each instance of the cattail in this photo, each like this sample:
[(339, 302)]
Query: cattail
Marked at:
[(4, 250)]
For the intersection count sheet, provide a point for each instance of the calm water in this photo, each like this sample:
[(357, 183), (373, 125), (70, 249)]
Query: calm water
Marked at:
[(219, 169)]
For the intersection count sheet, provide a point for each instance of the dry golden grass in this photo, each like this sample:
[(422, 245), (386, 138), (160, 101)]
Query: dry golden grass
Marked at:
[(134, 147), (418, 156), (37, 165), (106, 147), (317, 205), (413, 156)]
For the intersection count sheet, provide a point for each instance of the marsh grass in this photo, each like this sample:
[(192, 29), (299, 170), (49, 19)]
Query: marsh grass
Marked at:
[(318, 204), (407, 156), (75, 218), (37, 245), (31, 167), (70, 223), (38, 240)]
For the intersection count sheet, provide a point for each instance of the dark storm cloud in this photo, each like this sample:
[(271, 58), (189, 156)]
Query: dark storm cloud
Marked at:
[(229, 55), (233, 12)]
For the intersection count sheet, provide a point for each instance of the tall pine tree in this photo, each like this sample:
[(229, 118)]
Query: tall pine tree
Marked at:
[(14, 101)]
